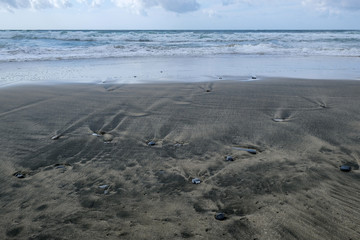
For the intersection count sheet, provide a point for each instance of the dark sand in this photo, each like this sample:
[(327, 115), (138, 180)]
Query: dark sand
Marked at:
[(291, 189)]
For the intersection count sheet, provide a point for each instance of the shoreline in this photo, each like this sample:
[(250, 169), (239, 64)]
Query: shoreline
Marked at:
[(177, 69), (89, 171)]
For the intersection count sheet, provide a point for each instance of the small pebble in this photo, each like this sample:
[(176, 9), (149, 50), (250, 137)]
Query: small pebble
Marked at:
[(229, 158), (345, 168), (19, 175), (56, 137), (253, 77), (108, 137), (279, 119), (196, 181), (106, 192), (151, 143), (220, 216), (60, 166), (105, 186)]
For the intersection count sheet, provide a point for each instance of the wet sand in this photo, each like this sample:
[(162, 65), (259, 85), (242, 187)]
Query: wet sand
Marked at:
[(68, 141)]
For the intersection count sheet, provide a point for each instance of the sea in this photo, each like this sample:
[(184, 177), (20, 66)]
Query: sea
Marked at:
[(141, 56)]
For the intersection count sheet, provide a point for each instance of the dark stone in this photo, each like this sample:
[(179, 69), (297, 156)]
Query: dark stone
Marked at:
[(345, 168), (220, 216), (151, 143), (229, 158)]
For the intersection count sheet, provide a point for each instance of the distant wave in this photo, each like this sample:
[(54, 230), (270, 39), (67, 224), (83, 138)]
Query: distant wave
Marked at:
[(57, 45)]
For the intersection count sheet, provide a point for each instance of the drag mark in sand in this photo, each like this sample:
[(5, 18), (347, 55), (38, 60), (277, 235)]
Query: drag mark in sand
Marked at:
[(208, 88), (320, 103), (24, 107), (249, 149)]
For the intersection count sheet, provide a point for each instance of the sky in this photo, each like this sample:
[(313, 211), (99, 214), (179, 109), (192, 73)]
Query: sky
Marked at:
[(179, 14)]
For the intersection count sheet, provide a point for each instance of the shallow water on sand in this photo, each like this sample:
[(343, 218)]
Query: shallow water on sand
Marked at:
[(177, 69)]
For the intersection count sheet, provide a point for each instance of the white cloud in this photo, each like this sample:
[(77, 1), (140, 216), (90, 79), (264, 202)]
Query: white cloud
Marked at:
[(182, 6), (140, 6), (92, 3), (34, 4), (229, 2), (333, 6), (318, 4)]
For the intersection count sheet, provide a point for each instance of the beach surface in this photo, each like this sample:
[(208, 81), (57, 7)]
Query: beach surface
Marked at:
[(76, 162)]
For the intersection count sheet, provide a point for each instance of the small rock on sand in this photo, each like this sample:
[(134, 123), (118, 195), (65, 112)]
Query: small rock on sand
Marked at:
[(56, 137), (220, 216), (196, 181), (19, 175), (108, 137), (105, 186), (345, 168), (279, 119)]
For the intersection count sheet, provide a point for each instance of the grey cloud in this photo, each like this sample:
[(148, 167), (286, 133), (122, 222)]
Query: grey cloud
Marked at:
[(180, 6)]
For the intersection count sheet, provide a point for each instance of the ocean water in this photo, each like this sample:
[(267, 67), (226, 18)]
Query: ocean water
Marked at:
[(81, 56)]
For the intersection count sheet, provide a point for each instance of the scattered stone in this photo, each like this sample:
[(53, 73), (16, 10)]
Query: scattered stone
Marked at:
[(151, 143), (196, 181), (253, 77), (208, 90), (279, 119), (60, 166), (220, 78), (56, 137), (220, 216), (229, 158), (345, 168), (177, 145), (19, 175), (108, 137), (105, 186), (106, 192)]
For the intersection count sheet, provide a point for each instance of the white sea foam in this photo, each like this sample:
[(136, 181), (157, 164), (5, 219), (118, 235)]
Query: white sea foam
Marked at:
[(59, 45)]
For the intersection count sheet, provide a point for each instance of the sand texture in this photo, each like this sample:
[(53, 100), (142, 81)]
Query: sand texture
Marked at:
[(89, 172)]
